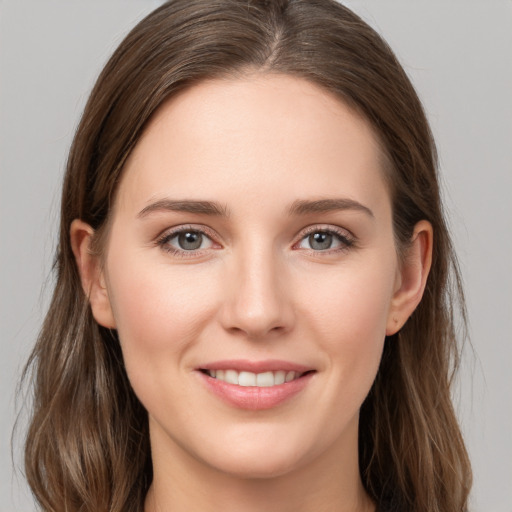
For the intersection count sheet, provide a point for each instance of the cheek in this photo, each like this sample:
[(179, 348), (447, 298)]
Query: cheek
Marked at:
[(347, 312), (159, 312), (355, 298)]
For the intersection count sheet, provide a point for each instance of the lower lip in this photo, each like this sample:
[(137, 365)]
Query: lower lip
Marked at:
[(255, 398)]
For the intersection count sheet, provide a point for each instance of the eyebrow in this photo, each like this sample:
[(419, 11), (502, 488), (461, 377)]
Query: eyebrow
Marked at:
[(188, 206), (304, 207), (298, 207)]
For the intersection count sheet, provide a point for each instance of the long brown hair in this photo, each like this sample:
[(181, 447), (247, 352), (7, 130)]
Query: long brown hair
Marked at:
[(87, 447)]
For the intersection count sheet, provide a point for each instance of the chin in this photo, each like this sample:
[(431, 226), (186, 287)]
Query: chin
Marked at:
[(251, 467), (256, 460)]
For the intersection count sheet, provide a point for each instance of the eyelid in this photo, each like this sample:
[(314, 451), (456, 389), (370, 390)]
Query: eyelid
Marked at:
[(179, 228), (169, 233), (347, 238)]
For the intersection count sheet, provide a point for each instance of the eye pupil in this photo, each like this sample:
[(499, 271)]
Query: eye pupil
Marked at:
[(320, 241), (190, 240)]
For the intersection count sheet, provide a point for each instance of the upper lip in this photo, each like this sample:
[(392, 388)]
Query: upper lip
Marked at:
[(244, 365)]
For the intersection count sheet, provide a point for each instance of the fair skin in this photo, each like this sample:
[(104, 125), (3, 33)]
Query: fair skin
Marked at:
[(291, 262)]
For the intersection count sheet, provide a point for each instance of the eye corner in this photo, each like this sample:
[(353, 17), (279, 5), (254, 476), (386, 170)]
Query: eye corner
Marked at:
[(342, 239), (201, 240)]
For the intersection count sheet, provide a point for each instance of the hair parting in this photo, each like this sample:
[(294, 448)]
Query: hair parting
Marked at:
[(87, 446)]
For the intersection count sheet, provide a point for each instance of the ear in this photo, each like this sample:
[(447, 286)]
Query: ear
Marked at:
[(91, 273), (411, 277)]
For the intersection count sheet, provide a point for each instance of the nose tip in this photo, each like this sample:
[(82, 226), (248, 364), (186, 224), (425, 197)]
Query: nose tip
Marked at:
[(258, 304), (256, 322)]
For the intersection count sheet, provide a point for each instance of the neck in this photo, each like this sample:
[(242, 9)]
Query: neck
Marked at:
[(330, 482)]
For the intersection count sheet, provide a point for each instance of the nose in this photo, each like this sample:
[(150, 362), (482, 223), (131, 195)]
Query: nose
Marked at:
[(258, 299)]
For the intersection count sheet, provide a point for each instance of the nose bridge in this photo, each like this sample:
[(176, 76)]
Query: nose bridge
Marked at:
[(258, 302)]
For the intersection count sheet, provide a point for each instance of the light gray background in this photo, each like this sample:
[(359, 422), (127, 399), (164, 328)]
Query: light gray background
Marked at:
[(459, 55)]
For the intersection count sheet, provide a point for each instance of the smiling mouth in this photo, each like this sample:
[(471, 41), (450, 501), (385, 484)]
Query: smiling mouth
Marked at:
[(250, 379)]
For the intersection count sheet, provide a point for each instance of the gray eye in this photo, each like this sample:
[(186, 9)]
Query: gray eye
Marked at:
[(324, 240), (320, 241), (186, 240), (190, 240)]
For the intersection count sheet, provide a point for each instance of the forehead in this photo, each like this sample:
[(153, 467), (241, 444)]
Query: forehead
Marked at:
[(259, 133)]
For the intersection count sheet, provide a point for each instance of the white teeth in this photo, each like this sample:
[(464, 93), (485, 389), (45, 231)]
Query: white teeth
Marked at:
[(289, 376), (231, 376), (246, 379), (279, 377), (262, 380), (265, 380)]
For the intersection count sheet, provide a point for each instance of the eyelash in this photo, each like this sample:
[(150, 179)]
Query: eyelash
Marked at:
[(163, 241), (345, 238)]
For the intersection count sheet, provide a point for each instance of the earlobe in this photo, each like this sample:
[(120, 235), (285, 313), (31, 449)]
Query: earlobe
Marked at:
[(411, 278), (91, 273)]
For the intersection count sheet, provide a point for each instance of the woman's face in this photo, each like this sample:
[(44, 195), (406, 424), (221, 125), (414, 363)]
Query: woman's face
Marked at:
[(251, 244)]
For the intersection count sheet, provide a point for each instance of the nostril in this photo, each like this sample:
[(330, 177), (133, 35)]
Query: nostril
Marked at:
[(256, 312)]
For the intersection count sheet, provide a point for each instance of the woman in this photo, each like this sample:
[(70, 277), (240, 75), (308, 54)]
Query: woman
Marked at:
[(254, 301)]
